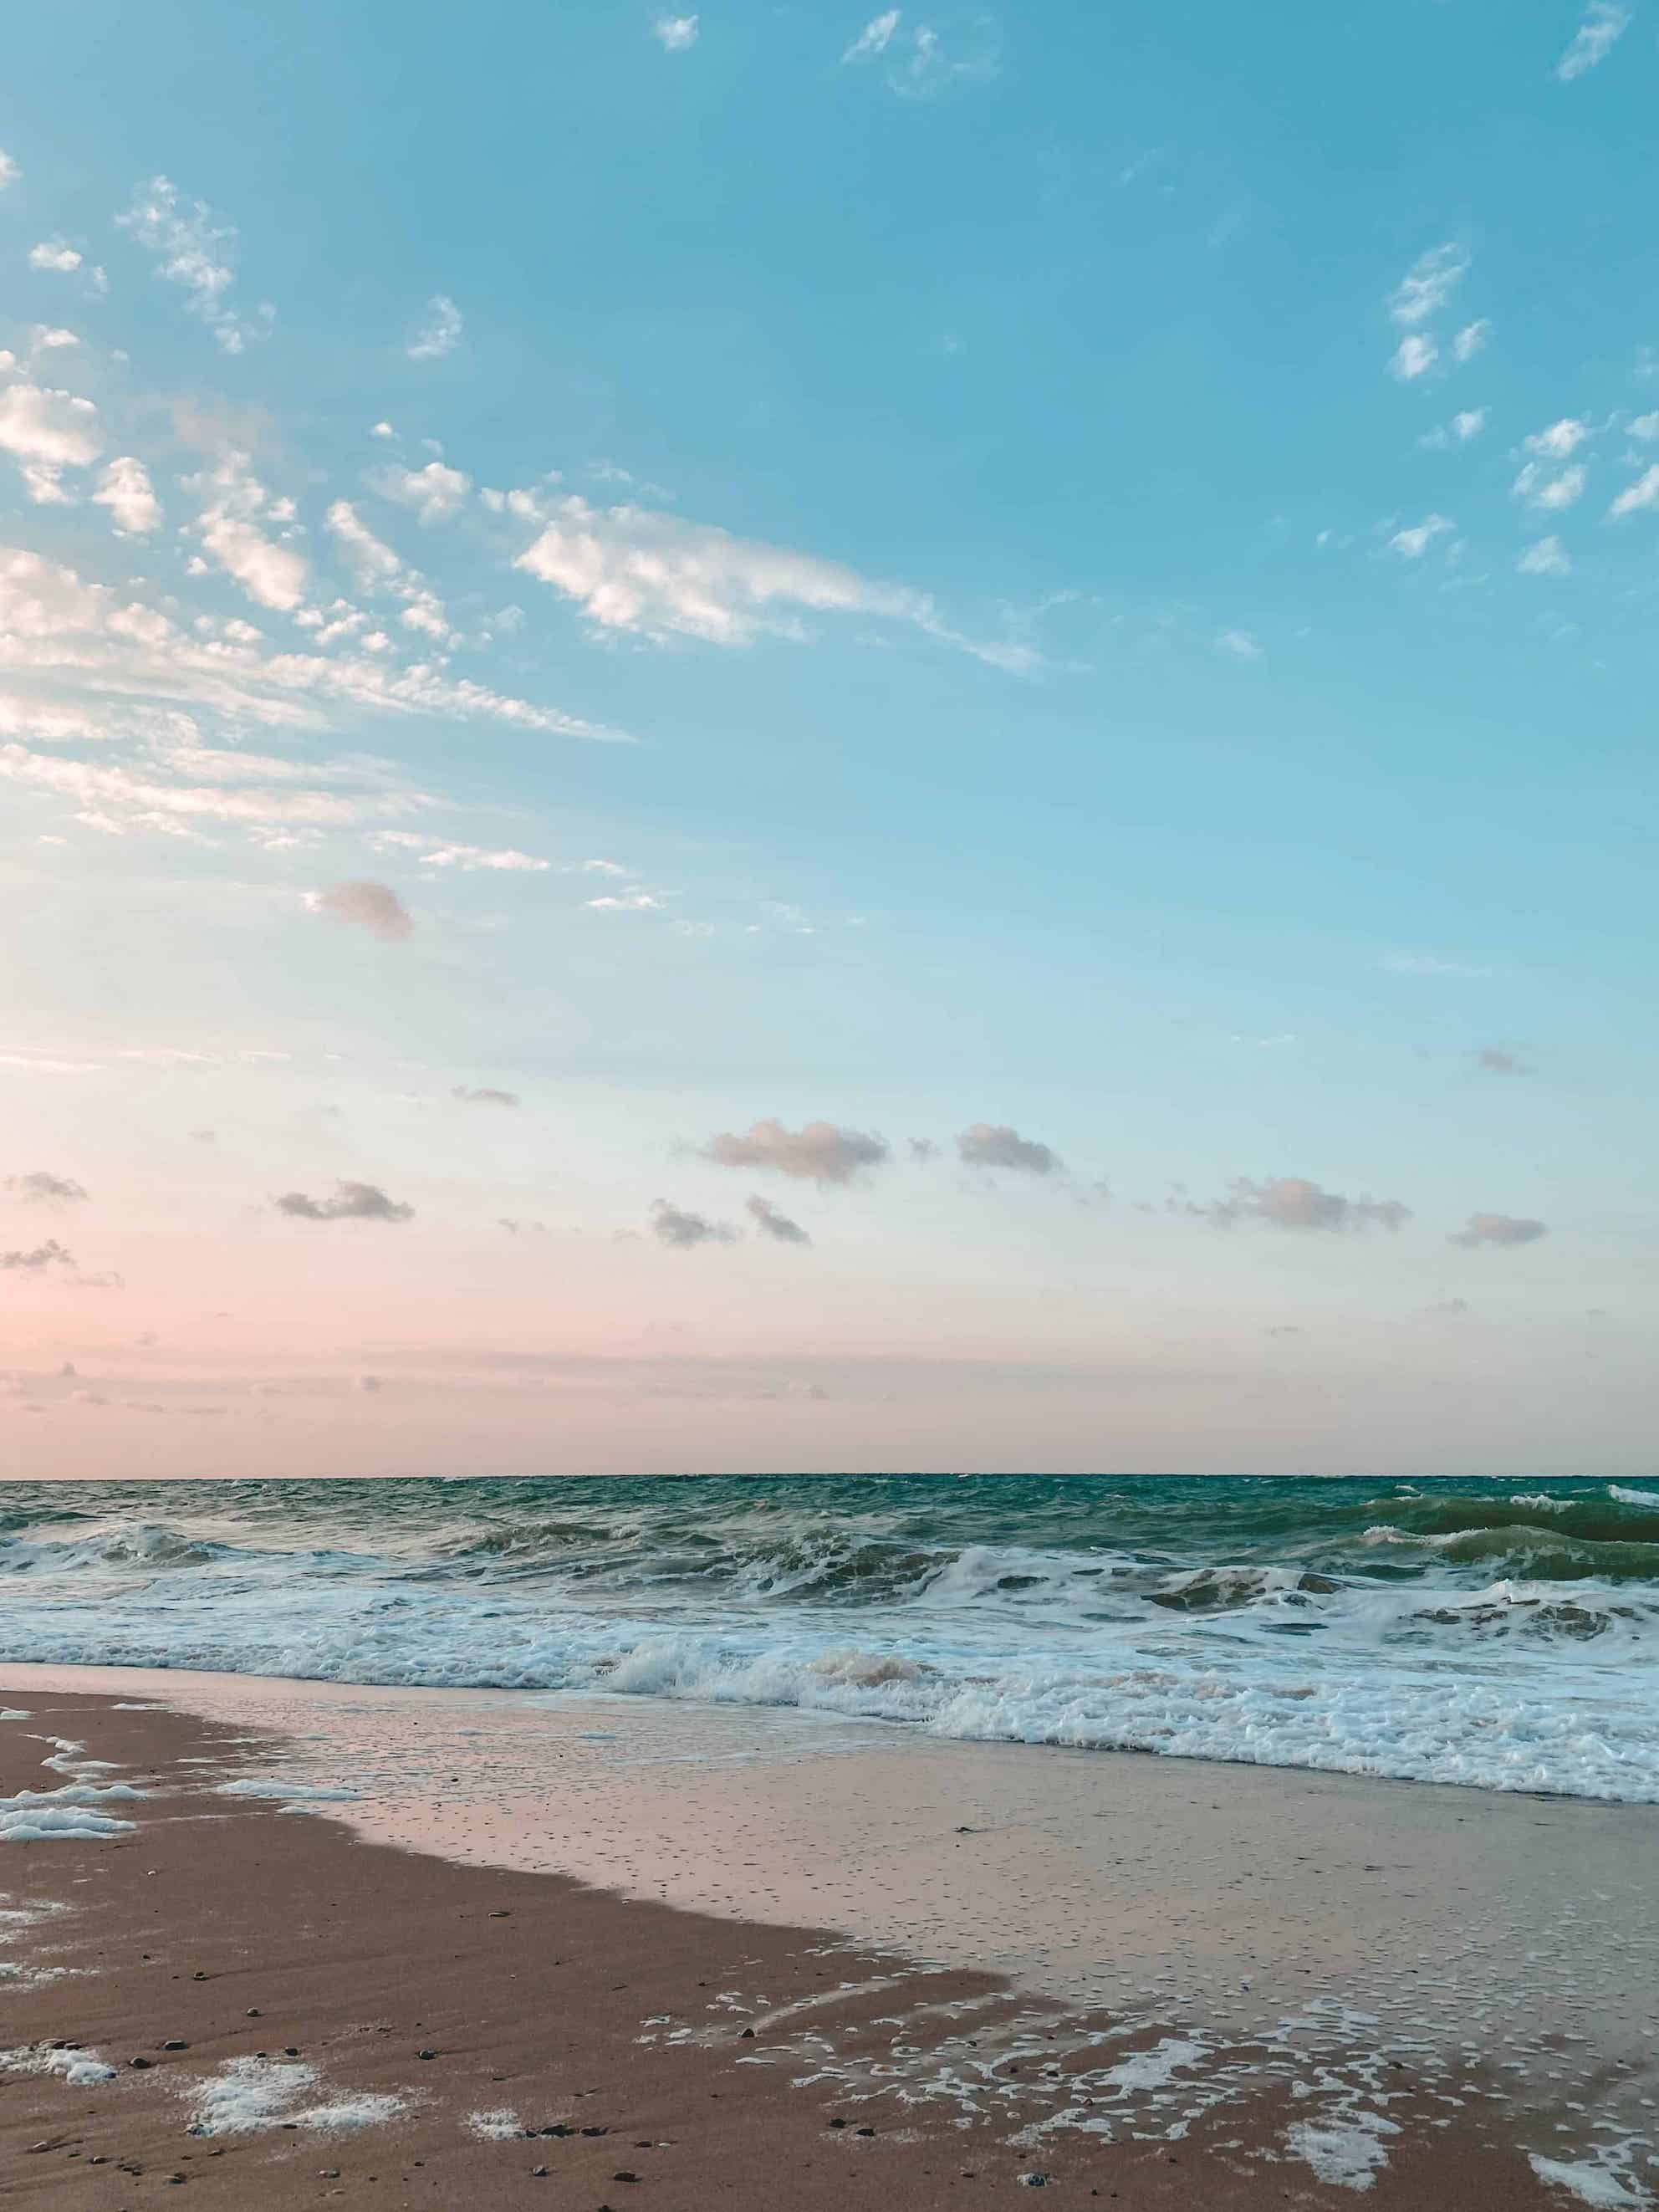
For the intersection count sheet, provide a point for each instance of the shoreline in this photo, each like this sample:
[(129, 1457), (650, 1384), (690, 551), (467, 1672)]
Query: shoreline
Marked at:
[(365, 1944)]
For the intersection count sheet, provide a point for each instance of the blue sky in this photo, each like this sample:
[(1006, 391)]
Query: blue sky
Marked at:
[(917, 573)]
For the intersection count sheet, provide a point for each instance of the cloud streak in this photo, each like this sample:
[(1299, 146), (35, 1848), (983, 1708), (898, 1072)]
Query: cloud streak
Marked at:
[(352, 1202), (818, 1151)]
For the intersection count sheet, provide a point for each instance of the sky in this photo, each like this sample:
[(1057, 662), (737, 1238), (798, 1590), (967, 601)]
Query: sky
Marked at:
[(774, 739)]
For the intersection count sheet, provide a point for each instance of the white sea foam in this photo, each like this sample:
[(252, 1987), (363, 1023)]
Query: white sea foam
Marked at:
[(499, 2124), (14, 1713), (1604, 2182), (1347, 2152), (80, 2069), (1633, 1497), (260, 1785), (39, 1816), (249, 2095)]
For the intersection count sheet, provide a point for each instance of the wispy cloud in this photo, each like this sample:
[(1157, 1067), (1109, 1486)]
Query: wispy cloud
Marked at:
[(875, 38), (1411, 544), (1639, 498), (484, 1095), (682, 1231), (1295, 1202), (1546, 558), (675, 34), (916, 64), (438, 332), (37, 1261), (776, 1226), (1428, 284), (47, 431), (1471, 339), (39, 1188), (231, 530), (1605, 22), (1414, 356), (662, 577), (435, 492), (198, 251), (1497, 1059), (126, 489)]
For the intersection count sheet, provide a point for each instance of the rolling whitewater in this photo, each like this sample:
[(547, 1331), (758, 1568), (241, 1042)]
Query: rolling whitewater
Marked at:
[(1504, 1635)]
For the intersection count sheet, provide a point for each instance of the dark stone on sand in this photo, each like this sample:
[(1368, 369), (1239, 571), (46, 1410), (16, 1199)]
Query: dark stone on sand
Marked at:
[(253, 2012), (748, 2035), (175, 2043), (139, 2065), (558, 2128), (596, 2131), (198, 1976), (426, 2054), (838, 2122), (623, 2174), (1034, 2181), (864, 2131), (538, 2172)]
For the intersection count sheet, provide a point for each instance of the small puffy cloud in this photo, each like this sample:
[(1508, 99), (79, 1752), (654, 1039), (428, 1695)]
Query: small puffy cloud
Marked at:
[(1604, 23), (49, 1255), (1239, 644), (373, 906), (39, 1188), (1471, 339), (675, 34), (369, 1386), (1547, 557), (484, 1095), (922, 1148), (1645, 426), (681, 1230), (1412, 544), (1560, 441), (994, 1144), (56, 256), (1413, 356), (440, 331), (1294, 1202), (625, 903), (1451, 1306), (1495, 1060), (126, 489), (1639, 497), (381, 430), (1500, 1229), (818, 1151), (235, 506), (352, 1202), (47, 431), (1458, 432), (1549, 493), (434, 493), (10, 171), (196, 251), (1428, 284), (771, 1223)]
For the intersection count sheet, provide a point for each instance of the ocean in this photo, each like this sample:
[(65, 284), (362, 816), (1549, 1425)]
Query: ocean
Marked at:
[(1496, 1634)]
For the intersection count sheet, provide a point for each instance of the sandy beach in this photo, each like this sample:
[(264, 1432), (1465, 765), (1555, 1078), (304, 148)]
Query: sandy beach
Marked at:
[(241, 1993)]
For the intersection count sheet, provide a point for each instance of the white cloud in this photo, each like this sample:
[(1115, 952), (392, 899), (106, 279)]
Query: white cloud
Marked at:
[(1639, 497), (1458, 432), (661, 577), (57, 255), (1551, 494), (441, 332), (875, 38), (1645, 426), (1428, 284), (126, 489), (378, 569), (273, 574), (1471, 339), (47, 431), (1412, 545), (917, 65), (1560, 441), (1240, 644), (1604, 24), (370, 906), (199, 253), (1548, 557), (382, 430), (10, 171), (435, 492), (50, 338), (626, 903), (443, 853), (1413, 357), (674, 33)]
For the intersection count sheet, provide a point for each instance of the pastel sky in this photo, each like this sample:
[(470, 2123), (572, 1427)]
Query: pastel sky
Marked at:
[(768, 738)]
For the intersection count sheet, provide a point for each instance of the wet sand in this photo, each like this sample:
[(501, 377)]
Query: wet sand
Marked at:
[(367, 2023)]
